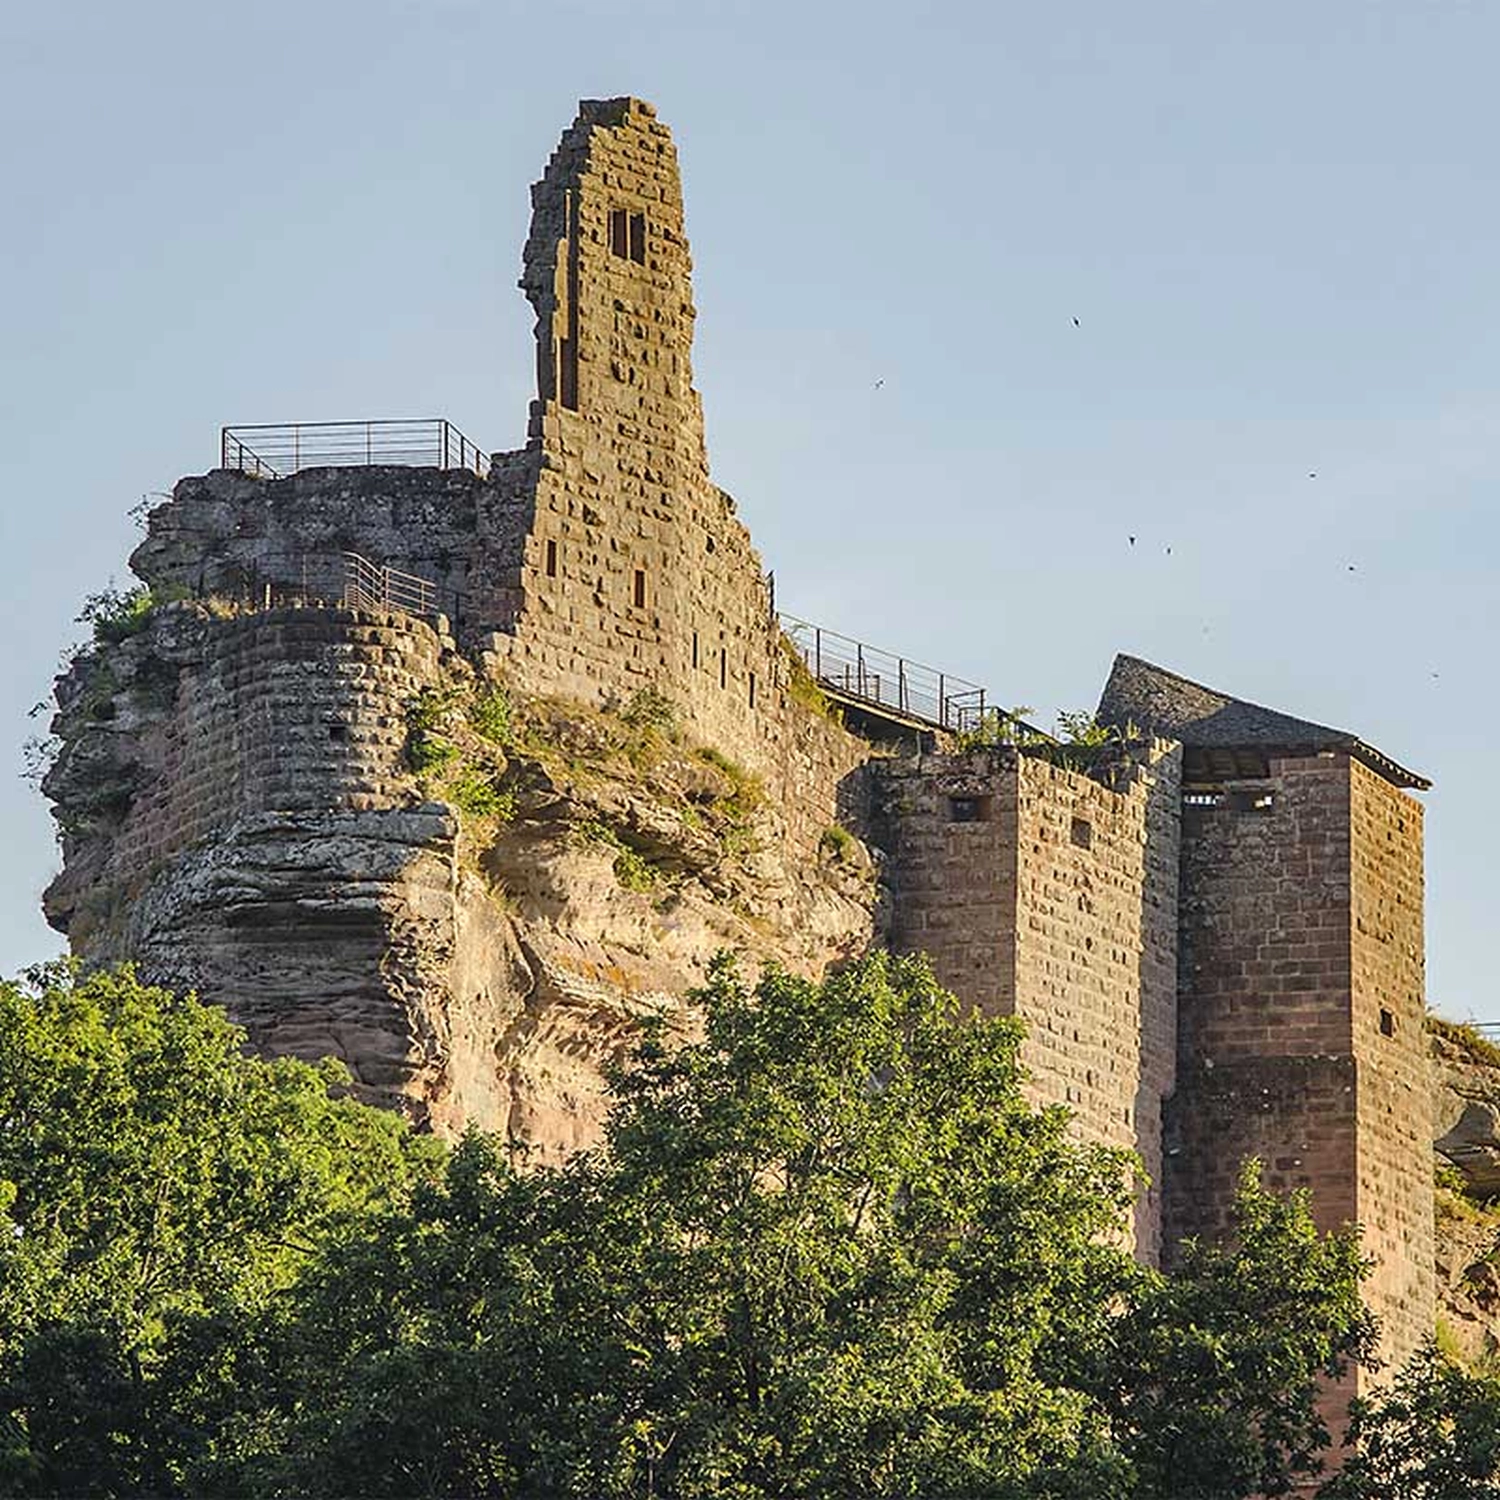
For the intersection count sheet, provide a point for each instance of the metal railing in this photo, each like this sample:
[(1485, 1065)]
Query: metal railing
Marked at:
[(368, 585), (346, 580), (268, 450), (852, 669)]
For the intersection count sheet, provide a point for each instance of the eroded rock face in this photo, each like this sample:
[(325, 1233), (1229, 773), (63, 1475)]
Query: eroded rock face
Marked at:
[(1466, 1107), (293, 812), (1466, 1115)]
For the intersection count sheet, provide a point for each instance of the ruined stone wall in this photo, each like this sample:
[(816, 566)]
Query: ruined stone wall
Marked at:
[(637, 571), (203, 721), (1395, 1126), (599, 561), (1044, 893), (229, 535), (1264, 1056), (949, 824), (1265, 914)]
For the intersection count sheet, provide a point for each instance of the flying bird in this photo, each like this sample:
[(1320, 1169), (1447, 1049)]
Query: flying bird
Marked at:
[(1132, 541), (1313, 474), (878, 384), (1076, 323), (1169, 551)]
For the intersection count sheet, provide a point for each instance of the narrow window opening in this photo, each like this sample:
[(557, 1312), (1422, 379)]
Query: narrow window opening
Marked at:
[(339, 733), (1083, 833), (1252, 801), (1387, 1023), (638, 238), (968, 809), (695, 650), (724, 668), (640, 588), (551, 558), (619, 233), (567, 373), (752, 690)]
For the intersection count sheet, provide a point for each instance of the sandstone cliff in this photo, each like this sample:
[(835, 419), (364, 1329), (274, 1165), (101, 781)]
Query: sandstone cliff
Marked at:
[(353, 837), (1466, 1111)]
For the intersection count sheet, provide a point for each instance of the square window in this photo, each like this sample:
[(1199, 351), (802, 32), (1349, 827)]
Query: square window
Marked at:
[(1252, 801), (619, 233), (968, 809)]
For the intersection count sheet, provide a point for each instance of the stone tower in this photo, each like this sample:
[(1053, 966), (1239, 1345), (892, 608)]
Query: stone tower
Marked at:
[(1047, 891), (1300, 980), (635, 571)]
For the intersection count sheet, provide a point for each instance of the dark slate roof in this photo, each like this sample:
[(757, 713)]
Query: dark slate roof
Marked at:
[(1202, 718)]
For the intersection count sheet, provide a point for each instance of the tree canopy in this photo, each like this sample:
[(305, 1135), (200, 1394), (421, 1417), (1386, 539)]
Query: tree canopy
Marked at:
[(828, 1248), (153, 1179)]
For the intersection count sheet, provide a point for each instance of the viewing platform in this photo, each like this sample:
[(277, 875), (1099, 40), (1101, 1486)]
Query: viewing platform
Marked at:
[(269, 450)]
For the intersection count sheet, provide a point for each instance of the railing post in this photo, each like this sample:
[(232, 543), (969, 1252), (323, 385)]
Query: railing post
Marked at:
[(942, 701), (859, 664), (817, 651), (444, 425), (223, 447), (296, 446), (901, 683)]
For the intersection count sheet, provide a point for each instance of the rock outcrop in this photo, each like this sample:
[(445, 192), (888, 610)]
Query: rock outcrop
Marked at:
[(335, 825)]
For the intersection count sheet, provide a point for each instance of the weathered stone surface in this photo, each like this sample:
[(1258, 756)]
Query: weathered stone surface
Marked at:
[(265, 841), (1050, 893), (1466, 1115)]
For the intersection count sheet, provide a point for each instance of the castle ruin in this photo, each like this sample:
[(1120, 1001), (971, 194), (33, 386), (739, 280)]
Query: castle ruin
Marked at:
[(1211, 925)]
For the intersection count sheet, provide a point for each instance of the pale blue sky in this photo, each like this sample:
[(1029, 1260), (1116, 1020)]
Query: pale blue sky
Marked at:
[(1275, 223)]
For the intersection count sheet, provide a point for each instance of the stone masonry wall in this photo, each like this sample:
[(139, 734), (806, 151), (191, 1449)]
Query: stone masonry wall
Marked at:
[(230, 535), (1301, 924), (637, 571), (1095, 976), (953, 878), (1264, 959), (208, 721), (1395, 1126), (1264, 1057), (1039, 892)]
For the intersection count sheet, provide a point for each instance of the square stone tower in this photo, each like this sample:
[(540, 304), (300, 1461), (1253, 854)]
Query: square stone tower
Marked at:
[(1301, 999), (1044, 887)]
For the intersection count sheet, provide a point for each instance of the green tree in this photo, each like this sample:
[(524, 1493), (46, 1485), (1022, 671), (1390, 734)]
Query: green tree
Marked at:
[(154, 1182), (826, 1250), (1433, 1434), (1212, 1376)]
